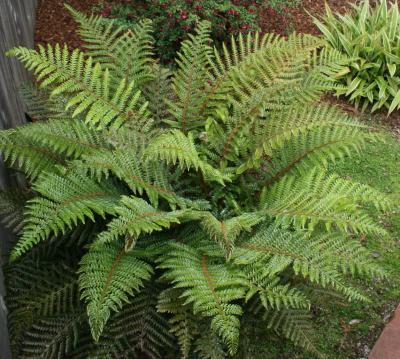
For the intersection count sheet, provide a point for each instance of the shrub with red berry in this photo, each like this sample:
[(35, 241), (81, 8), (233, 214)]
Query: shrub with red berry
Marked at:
[(174, 19)]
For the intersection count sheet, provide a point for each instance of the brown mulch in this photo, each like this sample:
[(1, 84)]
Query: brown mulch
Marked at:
[(299, 18), (54, 24)]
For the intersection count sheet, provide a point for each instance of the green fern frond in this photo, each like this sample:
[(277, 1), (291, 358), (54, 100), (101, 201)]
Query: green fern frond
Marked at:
[(37, 291), (274, 79), (87, 85), (349, 256), (51, 296), (12, 205), (184, 324), (66, 200), (316, 148), (66, 137), (271, 293), (127, 52), (279, 133), (53, 337), (175, 147), (295, 325), (209, 346), (27, 155), (145, 330), (108, 276), (40, 105), (210, 287), (189, 79), (136, 217), (126, 163), (157, 92), (317, 198), (225, 232), (304, 255)]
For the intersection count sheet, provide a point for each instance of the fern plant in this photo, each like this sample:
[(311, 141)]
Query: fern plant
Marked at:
[(369, 35), (174, 213)]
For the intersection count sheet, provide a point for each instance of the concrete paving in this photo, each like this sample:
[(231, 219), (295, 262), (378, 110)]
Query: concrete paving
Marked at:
[(388, 344)]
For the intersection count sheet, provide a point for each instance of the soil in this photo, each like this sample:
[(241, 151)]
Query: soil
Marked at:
[(299, 18), (55, 24)]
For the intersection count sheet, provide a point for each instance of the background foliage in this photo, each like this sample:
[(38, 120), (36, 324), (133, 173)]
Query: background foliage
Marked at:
[(175, 19), (368, 35)]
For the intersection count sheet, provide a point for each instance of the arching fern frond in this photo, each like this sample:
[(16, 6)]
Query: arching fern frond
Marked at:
[(183, 323), (12, 204), (52, 337), (67, 200), (209, 346), (273, 246), (40, 105), (210, 287), (127, 52), (136, 216), (145, 330), (108, 276), (87, 86), (157, 92), (295, 325), (38, 290), (317, 198), (175, 147), (189, 79), (126, 163), (26, 154), (316, 148), (278, 134), (70, 138), (272, 294)]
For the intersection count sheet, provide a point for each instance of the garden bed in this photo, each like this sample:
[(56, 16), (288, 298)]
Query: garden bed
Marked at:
[(55, 23)]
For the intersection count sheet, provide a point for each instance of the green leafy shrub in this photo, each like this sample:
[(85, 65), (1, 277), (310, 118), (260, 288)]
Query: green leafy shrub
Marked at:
[(370, 36), (174, 20), (184, 213)]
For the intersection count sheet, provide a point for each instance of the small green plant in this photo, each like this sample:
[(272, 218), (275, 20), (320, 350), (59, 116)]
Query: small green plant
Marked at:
[(370, 36), (280, 5), (187, 213)]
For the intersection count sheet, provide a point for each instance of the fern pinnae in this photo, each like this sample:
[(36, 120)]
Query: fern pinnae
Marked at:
[(215, 301), (81, 198), (117, 275), (72, 73), (136, 216), (12, 205), (28, 155), (52, 337)]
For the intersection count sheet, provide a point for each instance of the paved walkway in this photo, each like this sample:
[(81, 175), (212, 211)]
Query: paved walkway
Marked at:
[(388, 344)]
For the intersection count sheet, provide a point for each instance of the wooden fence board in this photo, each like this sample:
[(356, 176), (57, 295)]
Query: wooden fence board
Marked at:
[(17, 23)]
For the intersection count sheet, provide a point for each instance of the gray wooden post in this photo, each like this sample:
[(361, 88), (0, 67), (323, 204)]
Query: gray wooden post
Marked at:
[(17, 25)]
